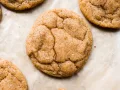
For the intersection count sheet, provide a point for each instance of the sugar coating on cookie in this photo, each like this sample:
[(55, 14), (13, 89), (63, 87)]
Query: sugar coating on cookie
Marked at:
[(20, 4), (59, 43), (10, 77), (105, 13)]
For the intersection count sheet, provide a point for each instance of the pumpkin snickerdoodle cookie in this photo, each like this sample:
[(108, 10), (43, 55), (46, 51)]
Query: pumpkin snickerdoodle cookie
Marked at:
[(105, 13), (20, 4), (59, 43), (10, 77)]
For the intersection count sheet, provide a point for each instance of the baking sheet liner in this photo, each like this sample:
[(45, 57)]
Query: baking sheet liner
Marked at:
[(102, 71)]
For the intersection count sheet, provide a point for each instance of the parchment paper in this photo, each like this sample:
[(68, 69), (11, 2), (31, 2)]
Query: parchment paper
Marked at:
[(102, 71)]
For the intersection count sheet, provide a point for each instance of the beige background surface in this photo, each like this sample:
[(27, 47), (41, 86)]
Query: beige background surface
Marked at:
[(102, 72)]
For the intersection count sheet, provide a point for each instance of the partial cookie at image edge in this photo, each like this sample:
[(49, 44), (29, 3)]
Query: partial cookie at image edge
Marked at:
[(22, 5), (88, 13), (0, 13), (11, 77)]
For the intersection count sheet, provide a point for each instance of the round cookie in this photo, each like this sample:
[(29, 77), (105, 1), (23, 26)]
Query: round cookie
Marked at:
[(20, 4), (10, 77), (59, 43), (104, 13)]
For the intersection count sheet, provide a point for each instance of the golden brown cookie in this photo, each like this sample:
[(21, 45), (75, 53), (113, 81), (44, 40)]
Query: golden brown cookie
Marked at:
[(0, 13), (105, 13), (10, 77), (20, 4), (59, 43)]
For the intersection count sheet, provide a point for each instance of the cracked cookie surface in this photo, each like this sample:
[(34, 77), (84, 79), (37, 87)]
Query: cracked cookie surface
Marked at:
[(20, 4), (105, 13), (10, 77), (59, 43)]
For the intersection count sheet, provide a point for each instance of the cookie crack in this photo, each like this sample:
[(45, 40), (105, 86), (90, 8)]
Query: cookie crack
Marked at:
[(64, 27), (8, 75), (54, 45), (59, 70), (3, 79), (101, 7), (32, 53)]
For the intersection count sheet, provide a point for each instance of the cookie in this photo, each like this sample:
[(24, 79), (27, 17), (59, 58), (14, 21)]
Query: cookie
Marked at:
[(20, 4), (59, 43), (104, 13), (0, 13), (10, 77)]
